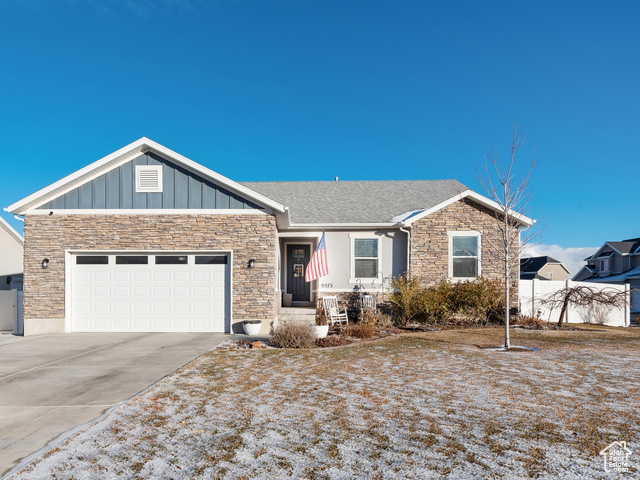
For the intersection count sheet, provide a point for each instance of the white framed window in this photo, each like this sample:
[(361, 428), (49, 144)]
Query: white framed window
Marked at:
[(464, 255), (148, 178), (604, 264), (365, 258)]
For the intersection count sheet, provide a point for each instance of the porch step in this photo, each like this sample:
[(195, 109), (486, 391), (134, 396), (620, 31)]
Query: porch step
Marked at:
[(297, 315)]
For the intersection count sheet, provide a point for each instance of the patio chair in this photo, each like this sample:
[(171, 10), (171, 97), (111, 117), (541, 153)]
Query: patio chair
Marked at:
[(332, 312), (368, 303)]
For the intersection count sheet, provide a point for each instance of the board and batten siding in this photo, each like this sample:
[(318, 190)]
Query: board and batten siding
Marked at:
[(181, 189)]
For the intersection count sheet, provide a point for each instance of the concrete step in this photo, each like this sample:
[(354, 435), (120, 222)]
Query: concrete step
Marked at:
[(297, 315)]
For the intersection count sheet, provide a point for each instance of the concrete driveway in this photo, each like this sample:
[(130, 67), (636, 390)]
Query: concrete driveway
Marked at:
[(52, 383)]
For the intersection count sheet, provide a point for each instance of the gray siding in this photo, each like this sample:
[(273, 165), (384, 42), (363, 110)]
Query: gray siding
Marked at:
[(181, 190)]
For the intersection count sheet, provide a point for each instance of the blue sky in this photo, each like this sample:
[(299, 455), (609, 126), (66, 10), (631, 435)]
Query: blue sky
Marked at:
[(301, 90)]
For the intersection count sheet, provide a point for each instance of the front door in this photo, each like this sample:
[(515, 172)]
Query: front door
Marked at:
[(298, 257)]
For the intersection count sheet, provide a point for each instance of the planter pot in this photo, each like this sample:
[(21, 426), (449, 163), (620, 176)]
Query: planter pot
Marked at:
[(321, 330), (287, 298), (252, 328)]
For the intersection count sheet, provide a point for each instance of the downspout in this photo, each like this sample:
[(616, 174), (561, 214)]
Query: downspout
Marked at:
[(15, 215), (408, 232)]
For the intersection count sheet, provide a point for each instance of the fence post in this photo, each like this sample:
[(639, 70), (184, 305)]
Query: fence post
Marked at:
[(627, 305)]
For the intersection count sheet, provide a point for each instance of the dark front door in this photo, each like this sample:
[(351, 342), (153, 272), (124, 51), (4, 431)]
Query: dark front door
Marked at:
[(298, 257)]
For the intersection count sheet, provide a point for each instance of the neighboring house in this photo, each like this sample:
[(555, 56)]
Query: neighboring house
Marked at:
[(11, 253), (147, 240), (616, 262), (542, 268)]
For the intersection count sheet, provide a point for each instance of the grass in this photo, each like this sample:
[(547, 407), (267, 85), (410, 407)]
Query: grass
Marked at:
[(426, 405)]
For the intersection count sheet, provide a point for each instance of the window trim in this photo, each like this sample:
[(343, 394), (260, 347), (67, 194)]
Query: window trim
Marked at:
[(465, 233), (352, 257), (149, 168)]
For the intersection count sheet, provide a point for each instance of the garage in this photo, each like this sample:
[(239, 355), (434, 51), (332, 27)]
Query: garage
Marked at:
[(149, 292)]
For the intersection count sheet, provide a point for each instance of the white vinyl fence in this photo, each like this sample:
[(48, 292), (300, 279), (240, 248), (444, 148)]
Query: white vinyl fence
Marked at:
[(533, 292), (11, 311)]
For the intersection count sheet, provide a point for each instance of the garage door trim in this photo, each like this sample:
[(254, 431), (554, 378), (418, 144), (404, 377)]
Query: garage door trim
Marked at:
[(69, 263)]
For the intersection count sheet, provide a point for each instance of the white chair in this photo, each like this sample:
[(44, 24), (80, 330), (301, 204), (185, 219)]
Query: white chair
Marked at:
[(332, 312), (368, 303)]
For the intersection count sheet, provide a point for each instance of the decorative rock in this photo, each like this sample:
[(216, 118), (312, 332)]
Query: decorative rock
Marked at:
[(256, 344)]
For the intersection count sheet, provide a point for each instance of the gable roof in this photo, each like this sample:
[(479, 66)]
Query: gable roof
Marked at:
[(11, 231), (625, 247), (124, 155), (532, 265), (381, 202), (303, 204)]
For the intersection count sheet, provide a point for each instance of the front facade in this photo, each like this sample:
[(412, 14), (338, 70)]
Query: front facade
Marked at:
[(148, 240), (617, 263)]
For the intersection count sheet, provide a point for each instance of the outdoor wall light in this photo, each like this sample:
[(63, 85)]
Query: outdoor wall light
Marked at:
[(252, 263), (45, 263)]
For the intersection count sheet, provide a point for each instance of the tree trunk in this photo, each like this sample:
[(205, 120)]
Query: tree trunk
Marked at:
[(563, 310)]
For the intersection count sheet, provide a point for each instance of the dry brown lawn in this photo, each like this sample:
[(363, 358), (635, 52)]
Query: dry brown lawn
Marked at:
[(426, 405)]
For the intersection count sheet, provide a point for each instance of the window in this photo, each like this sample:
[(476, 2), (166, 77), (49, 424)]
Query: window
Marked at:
[(171, 259), (365, 257), (92, 260), (550, 275), (211, 259), (132, 260), (464, 254), (604, 265), (148, 178)]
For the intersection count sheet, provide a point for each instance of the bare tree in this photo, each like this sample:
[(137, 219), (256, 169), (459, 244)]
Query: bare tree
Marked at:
[(585, 296), (500, 180)]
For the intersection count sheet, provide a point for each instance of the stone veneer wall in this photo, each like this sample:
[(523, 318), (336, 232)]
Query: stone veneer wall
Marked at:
[(430, 242), (248, 236)]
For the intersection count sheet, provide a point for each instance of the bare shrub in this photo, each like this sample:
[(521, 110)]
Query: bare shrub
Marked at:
[(529, 322), (595, 313), (332, 341), (358, 330), (384, 320), (293, 336), (405, 302)]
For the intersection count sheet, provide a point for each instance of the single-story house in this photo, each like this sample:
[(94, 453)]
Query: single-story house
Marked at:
[(542, 268), (146, 239), (11, 254)]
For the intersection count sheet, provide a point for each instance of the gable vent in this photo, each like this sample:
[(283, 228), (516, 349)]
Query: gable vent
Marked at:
[(148, 178)]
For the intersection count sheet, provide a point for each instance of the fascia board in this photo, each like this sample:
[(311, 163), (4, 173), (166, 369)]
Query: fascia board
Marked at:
[(123, 155), (331, 226), (11, 231), (475, 196)]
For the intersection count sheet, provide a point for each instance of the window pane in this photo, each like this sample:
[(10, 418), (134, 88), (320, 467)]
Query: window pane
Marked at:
[(365, 247), (366, 268), (211, 259), (92, 260), (171, 259), (465, 267), (465, 246), (131, 260)]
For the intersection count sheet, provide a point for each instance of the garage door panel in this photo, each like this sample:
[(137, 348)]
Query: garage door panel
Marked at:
[(102, 291), (122, 276), (142, 276), (149, 297), (179, 276)]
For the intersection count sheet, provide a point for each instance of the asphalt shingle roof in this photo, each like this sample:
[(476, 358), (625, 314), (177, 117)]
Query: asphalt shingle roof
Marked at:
[(534, 264), (356, 201)]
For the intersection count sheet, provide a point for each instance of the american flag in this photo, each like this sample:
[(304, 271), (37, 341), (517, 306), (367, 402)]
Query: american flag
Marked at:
[(318, 265)]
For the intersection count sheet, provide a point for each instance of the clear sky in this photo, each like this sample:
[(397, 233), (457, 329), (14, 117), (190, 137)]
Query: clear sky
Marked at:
[(362, 90)]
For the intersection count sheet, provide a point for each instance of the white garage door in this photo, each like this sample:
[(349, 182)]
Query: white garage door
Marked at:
[(139, 292)]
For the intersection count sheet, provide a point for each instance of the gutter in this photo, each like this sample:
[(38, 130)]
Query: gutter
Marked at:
[(408, 232)]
